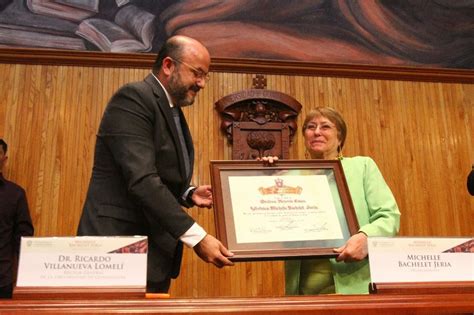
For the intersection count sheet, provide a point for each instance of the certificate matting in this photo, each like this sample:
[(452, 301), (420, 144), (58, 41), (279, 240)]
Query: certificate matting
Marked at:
[(289, 209)]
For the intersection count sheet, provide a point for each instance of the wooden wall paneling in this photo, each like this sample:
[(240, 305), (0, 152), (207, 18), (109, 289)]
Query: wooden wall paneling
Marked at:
[(5, 85), (300, 92), (433, 134), (348, 109), (35, 135), (65, 164), (390, 127), (420, 130), (420, 134)]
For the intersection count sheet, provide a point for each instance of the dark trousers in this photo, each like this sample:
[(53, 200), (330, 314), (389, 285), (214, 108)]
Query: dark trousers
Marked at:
[(158, 287), (6, 291)]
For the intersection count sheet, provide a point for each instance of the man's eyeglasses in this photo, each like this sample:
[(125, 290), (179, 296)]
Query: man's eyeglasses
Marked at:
[(198, 74)]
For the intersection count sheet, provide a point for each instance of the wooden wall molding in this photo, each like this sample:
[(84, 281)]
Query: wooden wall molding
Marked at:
[(128, 60), (322, 304)]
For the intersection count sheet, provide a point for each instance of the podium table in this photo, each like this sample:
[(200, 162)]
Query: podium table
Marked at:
[(452, 303)]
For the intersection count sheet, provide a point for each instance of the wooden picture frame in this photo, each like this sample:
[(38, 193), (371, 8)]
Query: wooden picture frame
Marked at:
[(289, 209)]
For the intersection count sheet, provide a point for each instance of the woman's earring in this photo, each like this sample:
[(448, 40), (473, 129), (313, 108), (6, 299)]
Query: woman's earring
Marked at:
[(339, 153), (306, 154)]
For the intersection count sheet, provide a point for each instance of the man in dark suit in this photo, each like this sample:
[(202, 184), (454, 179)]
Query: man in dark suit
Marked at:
[(15, 222), (143, 165)]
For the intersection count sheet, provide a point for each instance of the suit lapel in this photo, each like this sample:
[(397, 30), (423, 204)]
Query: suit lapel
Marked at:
[(165, 109), (189, 143)]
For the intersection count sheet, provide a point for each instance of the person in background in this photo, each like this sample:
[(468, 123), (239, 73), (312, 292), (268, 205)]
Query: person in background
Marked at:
[(143, 165), (324, 132), (15, 222)]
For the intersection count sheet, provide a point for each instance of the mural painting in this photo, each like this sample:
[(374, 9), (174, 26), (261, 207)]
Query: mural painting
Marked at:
[(424, 33)]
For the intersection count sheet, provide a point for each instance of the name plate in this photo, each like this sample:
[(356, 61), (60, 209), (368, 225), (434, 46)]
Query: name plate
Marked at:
[(405, 259), (84, 261)]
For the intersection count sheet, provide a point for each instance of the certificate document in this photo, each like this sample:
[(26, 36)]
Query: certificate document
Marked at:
[(283, 208), (292, 209)]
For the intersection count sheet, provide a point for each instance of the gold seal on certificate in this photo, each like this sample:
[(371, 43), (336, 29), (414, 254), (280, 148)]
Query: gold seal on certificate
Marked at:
[(290, 209)]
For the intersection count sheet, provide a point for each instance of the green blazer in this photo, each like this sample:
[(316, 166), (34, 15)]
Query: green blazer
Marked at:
[(378, 215)]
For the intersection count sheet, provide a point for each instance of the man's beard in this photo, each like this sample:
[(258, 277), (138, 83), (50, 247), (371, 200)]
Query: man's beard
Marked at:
[(179, 92)]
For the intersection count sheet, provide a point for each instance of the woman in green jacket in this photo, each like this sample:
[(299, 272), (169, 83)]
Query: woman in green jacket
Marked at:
[(324, 132)]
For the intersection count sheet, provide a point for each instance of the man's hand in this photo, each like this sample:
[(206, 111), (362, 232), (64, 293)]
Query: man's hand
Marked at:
[(211, 250), (202, 196), (355, 248)]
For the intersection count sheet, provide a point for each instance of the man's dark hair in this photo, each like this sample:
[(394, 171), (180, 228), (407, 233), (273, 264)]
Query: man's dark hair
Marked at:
[(4, 145), (171, 48)]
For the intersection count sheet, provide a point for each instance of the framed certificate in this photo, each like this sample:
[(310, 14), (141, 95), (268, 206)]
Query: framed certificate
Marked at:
[(291, 208)]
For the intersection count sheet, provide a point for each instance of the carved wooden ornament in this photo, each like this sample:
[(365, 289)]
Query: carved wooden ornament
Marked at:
[(258, 122)]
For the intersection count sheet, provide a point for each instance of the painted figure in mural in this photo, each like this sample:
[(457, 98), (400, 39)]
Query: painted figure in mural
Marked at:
[(395, 32), (15, 222), (401, 32), (143, 165), (324, 132)]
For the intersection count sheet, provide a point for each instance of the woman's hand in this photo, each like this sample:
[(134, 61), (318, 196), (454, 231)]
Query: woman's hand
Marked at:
[(268, 159), (355, 249)]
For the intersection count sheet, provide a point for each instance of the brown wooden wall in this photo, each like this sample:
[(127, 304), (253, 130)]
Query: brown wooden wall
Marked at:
[(420, 134)]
